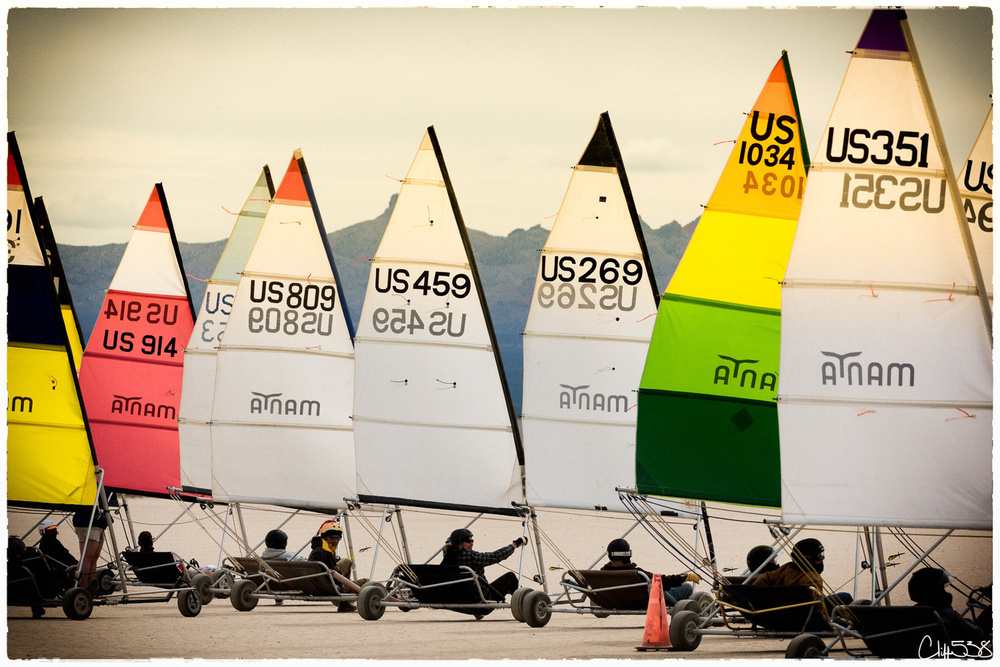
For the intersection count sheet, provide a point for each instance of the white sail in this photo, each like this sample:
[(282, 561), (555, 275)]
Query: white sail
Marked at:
[(432, 412), (975, 182), (585, 341), (281, 415), (200, 354), (885, 388)]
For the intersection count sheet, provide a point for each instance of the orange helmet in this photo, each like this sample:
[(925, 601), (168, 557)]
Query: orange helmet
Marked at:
[(330, 527)]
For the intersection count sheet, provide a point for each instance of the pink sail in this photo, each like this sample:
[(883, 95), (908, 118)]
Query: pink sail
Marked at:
[(132, 368)]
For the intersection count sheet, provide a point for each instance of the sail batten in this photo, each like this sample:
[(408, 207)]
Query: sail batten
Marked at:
[(886, 350)]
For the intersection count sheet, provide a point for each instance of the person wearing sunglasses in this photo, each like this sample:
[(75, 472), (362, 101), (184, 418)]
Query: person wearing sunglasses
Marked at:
[(458, 551)]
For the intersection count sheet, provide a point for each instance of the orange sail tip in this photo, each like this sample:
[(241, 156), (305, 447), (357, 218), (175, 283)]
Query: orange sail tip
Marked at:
[(13, 178), (152, 217), (778, 73), (292, 187)]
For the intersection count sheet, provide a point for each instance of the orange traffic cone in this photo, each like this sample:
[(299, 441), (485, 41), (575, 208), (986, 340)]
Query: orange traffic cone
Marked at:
[(656, 635)]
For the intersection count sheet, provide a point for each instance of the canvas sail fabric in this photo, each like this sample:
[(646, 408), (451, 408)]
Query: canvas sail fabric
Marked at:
[(585, 341), (284, 389), (432, 412), (707, 422), (73, 330), (975, 182), (50, 457), (132, 369), (200, 354), (885, 395)]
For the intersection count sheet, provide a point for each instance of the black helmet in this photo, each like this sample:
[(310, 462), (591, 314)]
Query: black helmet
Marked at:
[(809, 549), (620, 550), (459, 535), (927, 586), (276, 539), (759, 554)]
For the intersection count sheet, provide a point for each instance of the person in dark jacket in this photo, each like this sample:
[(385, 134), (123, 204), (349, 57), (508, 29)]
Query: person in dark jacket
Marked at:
[(458, 551), (927, 587), (60, 561), (676, 587), (326, 553), (804, 570)]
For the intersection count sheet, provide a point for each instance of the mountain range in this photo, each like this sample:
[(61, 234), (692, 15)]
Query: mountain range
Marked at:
[(507, 265)]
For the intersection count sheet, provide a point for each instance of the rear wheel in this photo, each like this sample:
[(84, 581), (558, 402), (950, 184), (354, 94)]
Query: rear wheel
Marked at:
[(223, 585), (704, 600), (684, 635), (106, 582), (189, 602), (686, 604), (370, 599), (202, 583), (515, 603), (537, 609), (77, 604), (805, 646), (242, 596)]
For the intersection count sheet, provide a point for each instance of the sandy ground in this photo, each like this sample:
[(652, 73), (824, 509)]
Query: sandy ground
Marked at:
[(315, 630)]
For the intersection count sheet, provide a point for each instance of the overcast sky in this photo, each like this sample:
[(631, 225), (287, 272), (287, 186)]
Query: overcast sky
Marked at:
[(107, 102)]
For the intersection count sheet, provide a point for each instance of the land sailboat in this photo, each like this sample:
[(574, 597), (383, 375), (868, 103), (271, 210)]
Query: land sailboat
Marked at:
[(885, 395), (200, 355), (132, 367), (586, 338), (281, 428), (50, 453), (433, 417), (707, 422)]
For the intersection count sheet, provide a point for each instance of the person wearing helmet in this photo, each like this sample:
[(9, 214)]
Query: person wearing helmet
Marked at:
[(60, 561), (804, 570), (458, 551), (757, 556), (927, 587), (276, 543), (675, 586), (330, 534)]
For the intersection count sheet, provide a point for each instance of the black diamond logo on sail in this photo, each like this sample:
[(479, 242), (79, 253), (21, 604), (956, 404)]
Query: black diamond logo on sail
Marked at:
[(742, 420)]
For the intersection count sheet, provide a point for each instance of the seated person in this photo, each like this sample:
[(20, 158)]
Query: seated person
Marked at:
[(145, 542), (757, 556), (276, 543), (22, 589), (804, 570), (326, 553), (458, 551), (675, 586), (61, 562), (927, 587)]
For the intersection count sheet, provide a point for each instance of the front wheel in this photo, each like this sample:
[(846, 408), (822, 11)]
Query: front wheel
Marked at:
[(77, 604), (242, 597), (805, 646), (203, 583), (537, 609), (515, 603), (684, 635), (189, 602), (370, 605)]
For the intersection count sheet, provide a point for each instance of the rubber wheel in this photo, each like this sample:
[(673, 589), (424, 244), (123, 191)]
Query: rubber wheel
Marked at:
[(370, 599), (189, 602), (537, 609), (515, 603), (77, 604), (223, 586), (805, 646), (684, 635), (686, 604), (105, 582), (242, 596), (203, 583), (704, 600)]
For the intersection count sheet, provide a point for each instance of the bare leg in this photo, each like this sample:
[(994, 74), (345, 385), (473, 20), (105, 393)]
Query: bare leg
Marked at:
[(89, 558)]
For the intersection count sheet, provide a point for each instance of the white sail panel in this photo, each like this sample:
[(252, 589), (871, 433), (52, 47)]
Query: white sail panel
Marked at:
[(975, 183), (200, 356), (284, 381), (148, 265), (429, 390), (585, 341), (885, 390)]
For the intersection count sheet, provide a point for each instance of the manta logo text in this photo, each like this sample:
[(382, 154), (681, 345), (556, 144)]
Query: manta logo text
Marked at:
[(576, 399), (744, 371), (134, 405), (873, 373), (274, 404)]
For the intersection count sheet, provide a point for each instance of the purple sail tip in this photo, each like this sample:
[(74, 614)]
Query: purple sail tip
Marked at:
[(884, 31)]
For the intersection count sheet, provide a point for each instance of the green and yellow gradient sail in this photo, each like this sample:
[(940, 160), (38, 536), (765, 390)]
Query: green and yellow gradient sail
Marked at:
[(50, 455), (707, 423)]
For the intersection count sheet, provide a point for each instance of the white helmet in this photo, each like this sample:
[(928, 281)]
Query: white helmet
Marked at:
[(45, 525)]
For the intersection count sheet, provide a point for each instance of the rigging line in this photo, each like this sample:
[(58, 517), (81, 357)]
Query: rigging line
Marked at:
[(632, 503), (201, 280)]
